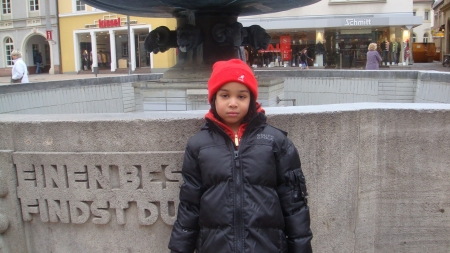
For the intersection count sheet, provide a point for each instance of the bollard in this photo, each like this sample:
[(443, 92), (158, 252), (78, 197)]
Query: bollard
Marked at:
[(95, 70)]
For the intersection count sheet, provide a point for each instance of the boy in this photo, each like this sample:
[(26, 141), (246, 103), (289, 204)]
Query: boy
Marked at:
[(244, 190)]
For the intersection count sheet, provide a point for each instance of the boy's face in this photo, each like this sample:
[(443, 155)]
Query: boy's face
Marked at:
[(232, 102)]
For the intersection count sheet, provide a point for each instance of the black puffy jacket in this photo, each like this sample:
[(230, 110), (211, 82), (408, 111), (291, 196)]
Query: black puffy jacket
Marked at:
[(250, 199)]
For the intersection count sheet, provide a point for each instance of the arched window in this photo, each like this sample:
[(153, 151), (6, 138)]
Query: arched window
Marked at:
[(425, 37), (9, 47), (414, 37)]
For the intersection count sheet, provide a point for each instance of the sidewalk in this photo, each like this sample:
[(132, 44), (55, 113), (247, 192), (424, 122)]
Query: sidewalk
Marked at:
[(429, 66), (45, 77), (35, 78)]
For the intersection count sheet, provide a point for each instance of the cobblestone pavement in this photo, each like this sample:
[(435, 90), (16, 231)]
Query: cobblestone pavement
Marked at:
[(4, 80)]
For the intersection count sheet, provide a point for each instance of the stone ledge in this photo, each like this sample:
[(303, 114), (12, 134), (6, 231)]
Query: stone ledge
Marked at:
[(12, 88)]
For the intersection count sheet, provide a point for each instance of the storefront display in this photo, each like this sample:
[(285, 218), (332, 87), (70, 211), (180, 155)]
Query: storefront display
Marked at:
[(337, 36), (338, 48)]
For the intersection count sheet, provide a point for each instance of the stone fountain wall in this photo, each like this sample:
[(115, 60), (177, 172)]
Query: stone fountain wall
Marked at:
[(377, 176), (277, 87)]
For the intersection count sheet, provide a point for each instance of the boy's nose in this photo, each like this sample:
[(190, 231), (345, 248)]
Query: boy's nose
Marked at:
[(233, 102)]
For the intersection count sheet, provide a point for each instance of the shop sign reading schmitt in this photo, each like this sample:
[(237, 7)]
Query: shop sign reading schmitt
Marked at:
[(357, 22)]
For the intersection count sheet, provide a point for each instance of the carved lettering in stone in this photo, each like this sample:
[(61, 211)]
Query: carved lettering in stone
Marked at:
[(148, 212), (100, 212), (79, 212), (95, 187), (58, 210)]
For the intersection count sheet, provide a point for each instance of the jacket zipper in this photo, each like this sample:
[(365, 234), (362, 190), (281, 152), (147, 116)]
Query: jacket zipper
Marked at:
[(238, 184), (238, 188)]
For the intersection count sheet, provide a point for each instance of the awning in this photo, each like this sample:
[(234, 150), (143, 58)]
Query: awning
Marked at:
[(354, 21), (438, 35)]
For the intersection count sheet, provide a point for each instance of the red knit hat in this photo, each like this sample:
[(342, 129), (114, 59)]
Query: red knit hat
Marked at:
[(233, 70)]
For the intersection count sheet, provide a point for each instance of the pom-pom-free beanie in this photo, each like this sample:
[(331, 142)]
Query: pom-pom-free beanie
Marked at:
[(233, 70)]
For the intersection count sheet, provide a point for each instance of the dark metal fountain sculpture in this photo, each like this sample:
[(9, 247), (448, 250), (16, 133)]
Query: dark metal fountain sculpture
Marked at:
[(170, 8), (207, 31)]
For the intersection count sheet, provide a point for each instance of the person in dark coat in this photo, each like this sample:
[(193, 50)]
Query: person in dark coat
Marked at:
[(39, 63), (244, 189), (304, 59)]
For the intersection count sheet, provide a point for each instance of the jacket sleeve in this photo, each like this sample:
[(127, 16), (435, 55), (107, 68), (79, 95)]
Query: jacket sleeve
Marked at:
[(186, 228), (293, 198), (378, 57)]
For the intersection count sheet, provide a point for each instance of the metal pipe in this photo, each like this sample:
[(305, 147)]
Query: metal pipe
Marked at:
[(129, 44), (287, 99)]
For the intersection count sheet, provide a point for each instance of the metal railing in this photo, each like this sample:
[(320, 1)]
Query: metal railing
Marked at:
[(167, 103)]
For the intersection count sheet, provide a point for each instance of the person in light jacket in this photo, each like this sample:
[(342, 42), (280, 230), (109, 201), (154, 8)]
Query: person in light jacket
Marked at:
[(19, 70), (373, 57)]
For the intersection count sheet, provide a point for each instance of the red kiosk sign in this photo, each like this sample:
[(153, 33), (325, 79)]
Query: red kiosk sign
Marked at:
[(104, 23)]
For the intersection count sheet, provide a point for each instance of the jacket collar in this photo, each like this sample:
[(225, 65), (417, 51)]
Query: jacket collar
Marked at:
[(257, 120)]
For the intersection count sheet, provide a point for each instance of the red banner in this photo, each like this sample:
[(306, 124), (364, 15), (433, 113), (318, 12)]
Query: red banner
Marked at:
[(270, 48), (285, 45)]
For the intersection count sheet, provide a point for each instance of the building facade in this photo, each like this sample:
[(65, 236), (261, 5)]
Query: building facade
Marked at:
[(30, 26), (422, 33), (441, 25), (337, 32), (92, 38)]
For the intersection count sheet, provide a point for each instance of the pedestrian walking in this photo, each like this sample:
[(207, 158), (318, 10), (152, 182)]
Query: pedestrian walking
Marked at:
[(304, 59), (39, 63), (373, 57), (19, 72)]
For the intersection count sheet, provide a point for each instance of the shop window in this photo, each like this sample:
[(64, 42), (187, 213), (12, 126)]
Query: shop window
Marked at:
[(427, 15), (425, 37), (6, 6), (9, 47), (125, 49), (34, 5), (80, 6)]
